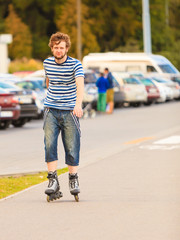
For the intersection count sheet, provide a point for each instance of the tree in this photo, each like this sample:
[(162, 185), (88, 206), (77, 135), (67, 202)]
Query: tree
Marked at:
[(132, 45), (67, 23), (22, 39), (116, 22)]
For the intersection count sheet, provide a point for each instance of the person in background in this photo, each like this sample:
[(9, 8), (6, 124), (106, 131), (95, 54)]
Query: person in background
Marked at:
[(110, 91), (102, 85)]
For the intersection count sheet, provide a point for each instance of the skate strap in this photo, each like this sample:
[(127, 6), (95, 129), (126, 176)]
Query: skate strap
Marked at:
[(76, 123)]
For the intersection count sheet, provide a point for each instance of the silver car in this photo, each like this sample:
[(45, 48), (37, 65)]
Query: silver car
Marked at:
[(134, 91)]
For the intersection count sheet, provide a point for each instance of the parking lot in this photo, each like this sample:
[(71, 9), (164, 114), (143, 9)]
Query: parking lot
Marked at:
[(21, 100)]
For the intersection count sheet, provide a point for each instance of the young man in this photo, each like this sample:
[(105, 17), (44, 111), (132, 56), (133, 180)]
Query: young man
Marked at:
[(63, 108), (110, 91)]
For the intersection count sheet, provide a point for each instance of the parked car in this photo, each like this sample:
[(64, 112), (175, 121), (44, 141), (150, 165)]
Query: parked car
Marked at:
[(90, 93), (119, 95), (176, 79), (152, 91), (131, 62), (39, 93), (162, 91), (8, 77), (27, 103), (175, 89), (134, 91), (40, 80), (9, 108)]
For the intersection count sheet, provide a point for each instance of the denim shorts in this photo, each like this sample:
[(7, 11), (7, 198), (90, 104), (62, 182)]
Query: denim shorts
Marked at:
[(56, 121)]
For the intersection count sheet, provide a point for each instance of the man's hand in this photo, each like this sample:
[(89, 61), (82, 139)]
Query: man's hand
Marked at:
[(78, 111)]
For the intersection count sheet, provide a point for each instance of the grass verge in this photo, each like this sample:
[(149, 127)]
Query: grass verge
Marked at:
[(11, 185)]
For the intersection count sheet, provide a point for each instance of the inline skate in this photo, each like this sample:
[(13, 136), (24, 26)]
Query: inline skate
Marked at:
[(74, 186), (53, 188)]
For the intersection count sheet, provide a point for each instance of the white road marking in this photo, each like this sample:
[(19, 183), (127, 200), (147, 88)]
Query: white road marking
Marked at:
[(159, 147), (169, 140), (169, 143)]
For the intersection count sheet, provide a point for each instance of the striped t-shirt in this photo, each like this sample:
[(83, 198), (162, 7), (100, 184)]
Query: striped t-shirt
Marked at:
[(61, 93)]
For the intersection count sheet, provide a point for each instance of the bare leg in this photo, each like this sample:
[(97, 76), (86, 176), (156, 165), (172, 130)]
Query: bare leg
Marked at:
[(52, 166), (72, 169), (111, 107)]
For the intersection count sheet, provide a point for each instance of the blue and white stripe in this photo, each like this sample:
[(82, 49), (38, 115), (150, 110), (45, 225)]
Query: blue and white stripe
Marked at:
[(61, 93)]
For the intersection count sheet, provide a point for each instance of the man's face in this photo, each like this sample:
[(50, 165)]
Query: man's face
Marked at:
[(59, 50)]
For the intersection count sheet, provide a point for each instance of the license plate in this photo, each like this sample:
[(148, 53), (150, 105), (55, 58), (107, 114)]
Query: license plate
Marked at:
[(25, 100), (6, 114), (151, 90)]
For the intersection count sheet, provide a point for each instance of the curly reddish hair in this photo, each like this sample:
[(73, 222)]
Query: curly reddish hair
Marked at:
[(58, 37)]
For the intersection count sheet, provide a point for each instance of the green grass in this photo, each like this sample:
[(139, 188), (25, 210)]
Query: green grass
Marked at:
[(11, 185)]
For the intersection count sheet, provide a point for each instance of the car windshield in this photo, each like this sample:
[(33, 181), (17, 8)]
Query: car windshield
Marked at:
[(32, 85), (166, 68), (131, 81), (147, 82), (2, 91), (160, 80), (6, 85), (89, 78)]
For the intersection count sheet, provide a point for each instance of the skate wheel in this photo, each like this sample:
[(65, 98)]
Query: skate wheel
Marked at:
[(76, 198), (48, 199)]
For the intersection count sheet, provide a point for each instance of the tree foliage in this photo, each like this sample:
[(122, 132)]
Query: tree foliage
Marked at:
[(22, 39), (67, 22), (106, 25)]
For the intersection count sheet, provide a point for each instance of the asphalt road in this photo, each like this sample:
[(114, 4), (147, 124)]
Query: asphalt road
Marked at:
[(129, 180), (22, 149)]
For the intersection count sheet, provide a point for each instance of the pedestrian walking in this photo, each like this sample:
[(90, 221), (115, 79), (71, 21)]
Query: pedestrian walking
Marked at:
[(110, 91), (63, 108), (102, 85)]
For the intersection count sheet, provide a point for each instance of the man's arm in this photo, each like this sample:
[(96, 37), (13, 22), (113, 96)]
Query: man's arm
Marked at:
[(47, 82), (80, 91)]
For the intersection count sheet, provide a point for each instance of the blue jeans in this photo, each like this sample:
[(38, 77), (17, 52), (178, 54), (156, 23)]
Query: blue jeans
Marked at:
[(56, 121)]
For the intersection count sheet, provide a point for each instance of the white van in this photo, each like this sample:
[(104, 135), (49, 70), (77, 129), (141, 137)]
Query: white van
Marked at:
[(130, 62)]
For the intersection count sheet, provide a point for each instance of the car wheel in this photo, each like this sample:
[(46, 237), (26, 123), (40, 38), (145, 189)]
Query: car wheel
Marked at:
[(147, 103), (19, 122), (40, 116), (4, 124), (136, 104), (119, 104)]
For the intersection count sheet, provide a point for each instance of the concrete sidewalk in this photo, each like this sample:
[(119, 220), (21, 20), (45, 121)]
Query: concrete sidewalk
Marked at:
[(132, 195)]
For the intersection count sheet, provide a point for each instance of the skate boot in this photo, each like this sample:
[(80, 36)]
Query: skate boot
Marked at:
[(74, 186), (53, 188)]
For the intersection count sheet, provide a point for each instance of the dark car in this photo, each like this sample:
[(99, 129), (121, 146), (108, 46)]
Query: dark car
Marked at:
[(26, 101), (119, 95), (9, 108), (90, 89), (152, 90), (39, 91)]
